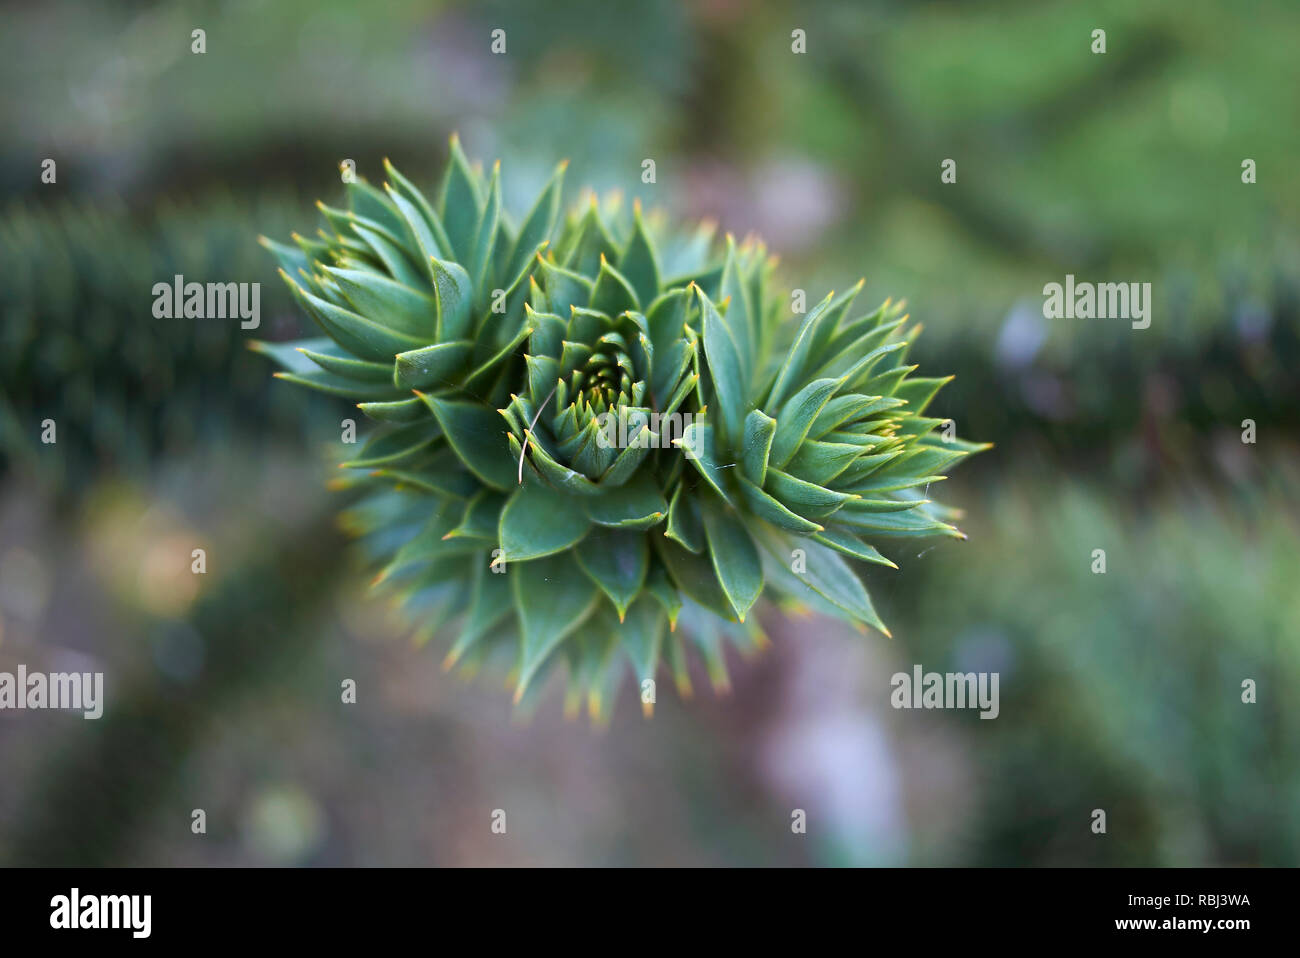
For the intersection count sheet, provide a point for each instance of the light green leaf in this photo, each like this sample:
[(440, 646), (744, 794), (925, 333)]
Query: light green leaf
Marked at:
[(290, 356), (435, 242), (562, 477), (820, 462), (757, 446), (805, 498), (841, 540), (661, 588), (401, 410), (335, 359), (666, 320), (358, 335), (290, 259), (455, 293), (564, 289), (431, 365), (387, 301), (796, 418), (628, 460), (337, 385), (913, 522), (849, 408), (771, 510), (482, 518), (919, 392), (741, 318)]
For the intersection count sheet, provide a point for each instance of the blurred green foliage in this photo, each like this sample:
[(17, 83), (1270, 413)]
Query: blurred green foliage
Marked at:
[(80, 344), (1124, 690), (1138, 405)]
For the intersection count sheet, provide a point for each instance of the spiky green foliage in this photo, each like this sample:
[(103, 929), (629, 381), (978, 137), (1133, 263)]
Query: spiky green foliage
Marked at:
[(516, 372)]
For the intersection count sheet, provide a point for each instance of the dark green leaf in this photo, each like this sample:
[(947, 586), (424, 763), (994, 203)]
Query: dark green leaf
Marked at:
[(539, 222), (460, 202), (553, 598), (637, 505), (478, 435), (735, 559), (538, 521), (826, 574), (612, 293), (617, 561), (639, 263), (684, 524), (726, 370), (396, 445), (485, 237), (697, 444)]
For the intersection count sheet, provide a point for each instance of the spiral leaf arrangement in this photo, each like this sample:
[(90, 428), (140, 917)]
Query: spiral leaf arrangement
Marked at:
[(599, 438)]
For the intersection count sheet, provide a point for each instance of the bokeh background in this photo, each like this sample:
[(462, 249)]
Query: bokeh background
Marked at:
[(1119, 691)]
